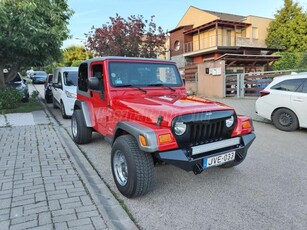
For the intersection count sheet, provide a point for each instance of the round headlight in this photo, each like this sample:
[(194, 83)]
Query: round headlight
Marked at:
[(180, 128), (230, 121)]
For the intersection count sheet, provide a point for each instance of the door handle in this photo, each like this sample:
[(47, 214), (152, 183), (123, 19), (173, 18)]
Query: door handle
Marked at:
[(298, 100)]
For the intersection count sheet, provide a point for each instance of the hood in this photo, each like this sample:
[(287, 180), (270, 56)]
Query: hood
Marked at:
[(149, 108)]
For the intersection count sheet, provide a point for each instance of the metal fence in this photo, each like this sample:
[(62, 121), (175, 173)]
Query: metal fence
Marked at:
[(250, 84)]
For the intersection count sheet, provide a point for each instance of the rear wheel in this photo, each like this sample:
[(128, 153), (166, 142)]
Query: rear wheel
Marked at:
[(80, 132), (285, 120), (63, 111), (133, 169)]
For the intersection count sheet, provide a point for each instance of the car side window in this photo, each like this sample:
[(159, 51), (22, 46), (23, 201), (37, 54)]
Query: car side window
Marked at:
[(82, 77), (97, 72), (303, 88), (59, 78), (288, 85)]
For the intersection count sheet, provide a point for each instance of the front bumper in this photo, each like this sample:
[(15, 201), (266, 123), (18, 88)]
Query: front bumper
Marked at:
[(183, 158)]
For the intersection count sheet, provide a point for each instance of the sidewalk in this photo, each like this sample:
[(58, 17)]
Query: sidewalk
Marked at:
[(46, 183)]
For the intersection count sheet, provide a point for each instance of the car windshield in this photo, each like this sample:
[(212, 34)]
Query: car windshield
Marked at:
[(129, 74), (71, 78), (40, 74)]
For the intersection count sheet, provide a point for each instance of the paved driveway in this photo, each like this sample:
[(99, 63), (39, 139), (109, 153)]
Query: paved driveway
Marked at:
[(267, 191)]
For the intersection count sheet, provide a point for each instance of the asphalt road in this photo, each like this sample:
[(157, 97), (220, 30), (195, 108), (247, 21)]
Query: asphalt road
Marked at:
[(267, 191)]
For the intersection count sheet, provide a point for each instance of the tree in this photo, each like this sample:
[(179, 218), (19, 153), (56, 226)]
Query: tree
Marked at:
[(287, 32), (32, 32), (73, 55), (133, 37)]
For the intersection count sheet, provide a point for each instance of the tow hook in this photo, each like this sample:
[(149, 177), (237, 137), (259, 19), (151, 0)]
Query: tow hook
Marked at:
[(197, 169)]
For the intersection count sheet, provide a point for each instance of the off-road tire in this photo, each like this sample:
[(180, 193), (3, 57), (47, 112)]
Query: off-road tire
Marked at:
[(285, 120), (139, 164), (64, 115), (80, 132), (48, 99)]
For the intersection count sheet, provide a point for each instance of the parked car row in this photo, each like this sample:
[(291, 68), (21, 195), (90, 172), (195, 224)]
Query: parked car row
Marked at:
[(60, 89)]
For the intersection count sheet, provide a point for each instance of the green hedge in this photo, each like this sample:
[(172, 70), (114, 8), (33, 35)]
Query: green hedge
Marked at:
[(9, 98)]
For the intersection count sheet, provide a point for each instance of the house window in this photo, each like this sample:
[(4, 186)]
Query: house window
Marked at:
[(177, 45), (255, 32)]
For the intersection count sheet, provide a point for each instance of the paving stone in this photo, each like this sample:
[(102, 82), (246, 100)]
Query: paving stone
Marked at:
[(64, 218), (25, 225), (69, 200), (36, 210), (40, 196), (63, 212), (98, 223), (83, 227), (44, 218), (23, 202), (61, 226), (5, 225), (23, 219), (79, 222), (54, 205), (86, 208), (16, 212), (5, 203), (72, 205), (4, 217), (88, 214), (43, 227)]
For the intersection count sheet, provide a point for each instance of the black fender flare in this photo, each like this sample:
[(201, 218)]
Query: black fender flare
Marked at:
[(136, 130), (83, 106)]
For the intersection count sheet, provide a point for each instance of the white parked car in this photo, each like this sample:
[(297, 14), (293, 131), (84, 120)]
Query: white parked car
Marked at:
[(64, 89), (284, 102)]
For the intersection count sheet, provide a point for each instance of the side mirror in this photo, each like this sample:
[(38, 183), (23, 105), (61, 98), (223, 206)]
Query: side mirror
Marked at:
[(93, 83), (57, 85)]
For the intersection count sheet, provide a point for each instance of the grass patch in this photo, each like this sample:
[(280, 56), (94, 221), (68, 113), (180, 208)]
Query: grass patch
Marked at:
[(26, 107)]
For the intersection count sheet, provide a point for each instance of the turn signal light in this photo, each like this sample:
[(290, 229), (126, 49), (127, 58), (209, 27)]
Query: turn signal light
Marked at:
[(165, 138), (246, 124), (142, 140)]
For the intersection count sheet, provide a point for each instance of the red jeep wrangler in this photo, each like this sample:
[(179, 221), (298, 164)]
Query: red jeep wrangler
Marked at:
[(141, 107)]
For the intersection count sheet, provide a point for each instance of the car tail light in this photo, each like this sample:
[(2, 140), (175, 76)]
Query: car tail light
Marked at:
[(264, 93)]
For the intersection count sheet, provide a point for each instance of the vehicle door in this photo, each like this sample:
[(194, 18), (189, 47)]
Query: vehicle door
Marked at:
[(57, 87), (299, 102), (99, 97)]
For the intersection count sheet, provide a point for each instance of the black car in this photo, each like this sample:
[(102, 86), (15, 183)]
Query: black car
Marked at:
[(47, 89), (20, 84), (39, 77)]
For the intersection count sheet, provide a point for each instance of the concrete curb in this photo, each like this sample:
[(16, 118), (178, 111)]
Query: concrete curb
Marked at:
[(111, 211)]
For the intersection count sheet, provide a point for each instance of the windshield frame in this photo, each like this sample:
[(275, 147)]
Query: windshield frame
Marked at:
[(122, 74)]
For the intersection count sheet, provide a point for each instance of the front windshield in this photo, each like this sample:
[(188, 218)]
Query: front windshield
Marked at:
[(124, 74), (71, 78)]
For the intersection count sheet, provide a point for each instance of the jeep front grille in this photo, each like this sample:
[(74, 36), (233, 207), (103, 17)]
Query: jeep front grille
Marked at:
[(207, 132), (203, 128)]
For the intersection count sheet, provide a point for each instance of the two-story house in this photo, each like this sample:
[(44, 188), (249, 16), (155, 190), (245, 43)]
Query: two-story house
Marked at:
[(227, 43)]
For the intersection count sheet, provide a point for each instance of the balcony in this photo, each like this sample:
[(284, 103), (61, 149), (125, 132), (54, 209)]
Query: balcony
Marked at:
[(212, 42)]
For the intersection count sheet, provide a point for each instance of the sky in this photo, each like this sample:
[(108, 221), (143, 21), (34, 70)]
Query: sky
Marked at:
[(167, 12)]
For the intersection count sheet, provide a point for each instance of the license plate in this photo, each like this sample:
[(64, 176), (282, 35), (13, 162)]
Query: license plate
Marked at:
[(220, 159)]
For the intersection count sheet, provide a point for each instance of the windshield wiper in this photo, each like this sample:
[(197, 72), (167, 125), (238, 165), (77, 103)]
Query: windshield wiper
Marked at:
[(129, 85), (160, 84)]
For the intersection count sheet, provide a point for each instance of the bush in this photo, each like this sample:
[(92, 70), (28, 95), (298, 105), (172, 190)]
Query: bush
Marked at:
[(9, 98), (35, 95)]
